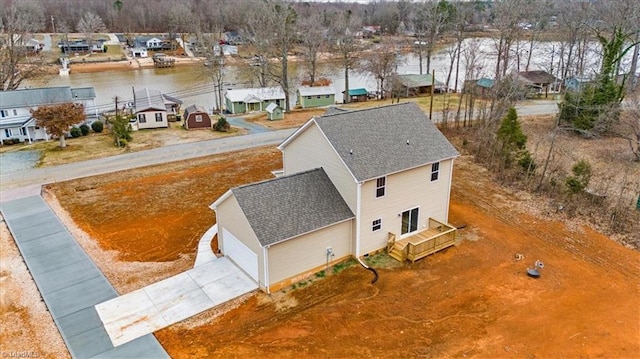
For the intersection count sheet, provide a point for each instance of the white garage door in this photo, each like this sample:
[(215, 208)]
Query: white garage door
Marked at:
[(240, 254)]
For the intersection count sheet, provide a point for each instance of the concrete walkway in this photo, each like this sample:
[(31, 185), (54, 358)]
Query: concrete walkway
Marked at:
[(211, 282), (251, 127), (69, 282)]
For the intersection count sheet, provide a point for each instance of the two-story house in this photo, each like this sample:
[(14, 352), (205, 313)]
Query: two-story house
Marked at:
[(15, 109), (353, 183)]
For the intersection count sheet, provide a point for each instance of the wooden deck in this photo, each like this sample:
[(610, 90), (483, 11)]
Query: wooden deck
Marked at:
[(428, 241)]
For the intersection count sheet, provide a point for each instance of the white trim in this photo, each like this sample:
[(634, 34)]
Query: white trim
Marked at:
[(379, 229), (431, 172), (265, 256), (384, 187), (220, 199), (446, 214), (295, 134), (418, 226), (358, 216)]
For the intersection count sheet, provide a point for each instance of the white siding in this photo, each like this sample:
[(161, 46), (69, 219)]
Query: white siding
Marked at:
[(150, 117), (301, 254), (405, 190), (312, 150), (230, 217)]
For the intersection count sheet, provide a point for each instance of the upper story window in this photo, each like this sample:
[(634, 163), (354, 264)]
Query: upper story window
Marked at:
[(381, 185), (435, 171), (158, 117), (142, 118), (15, 112), (198, 118)]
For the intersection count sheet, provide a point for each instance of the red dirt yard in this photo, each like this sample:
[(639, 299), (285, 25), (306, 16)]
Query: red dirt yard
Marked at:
[(471, 300)]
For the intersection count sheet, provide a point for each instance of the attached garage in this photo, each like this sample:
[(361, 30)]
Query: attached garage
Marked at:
[(240, 254), (281, 230)]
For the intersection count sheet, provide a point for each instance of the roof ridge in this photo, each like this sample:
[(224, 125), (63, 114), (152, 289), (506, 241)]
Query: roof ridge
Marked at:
[(349, 111), (278, 178)]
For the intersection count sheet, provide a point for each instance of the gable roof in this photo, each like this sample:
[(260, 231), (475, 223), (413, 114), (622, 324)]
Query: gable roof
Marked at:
[(147, 99), (271, 107), (538, 77), (485, 82), (379, 141), (193, 108), (417, 80), (315, 91), (259, 93), (286, 207), (43, 96)]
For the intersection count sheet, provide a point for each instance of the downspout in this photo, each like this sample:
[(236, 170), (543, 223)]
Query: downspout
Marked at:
[(265, 255), (358, 210), (446, 215)]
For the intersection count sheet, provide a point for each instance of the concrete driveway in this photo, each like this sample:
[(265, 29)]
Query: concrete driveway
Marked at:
[(169, 301)]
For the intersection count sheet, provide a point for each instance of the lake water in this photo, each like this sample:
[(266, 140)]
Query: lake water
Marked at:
[(191, 85)]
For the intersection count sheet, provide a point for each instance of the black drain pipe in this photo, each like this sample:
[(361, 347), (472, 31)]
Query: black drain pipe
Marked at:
[(375, 273)]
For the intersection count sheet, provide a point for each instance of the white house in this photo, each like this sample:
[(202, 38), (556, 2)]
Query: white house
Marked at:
[(353, 183), (15, 115)]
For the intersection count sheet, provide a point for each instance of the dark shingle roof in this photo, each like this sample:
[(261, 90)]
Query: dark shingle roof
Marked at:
[(288, 206), (382, 140), (334, 110)]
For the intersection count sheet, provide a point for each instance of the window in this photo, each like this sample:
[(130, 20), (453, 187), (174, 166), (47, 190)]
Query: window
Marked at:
[(435, 169), (318, 96), (15, 112), (381, 184), (23, 131), (8, 133), (4, 113), (198, 118), (158, 117), (308, 97), (142, 118), (327, 96), (409, 221), (376, 225)]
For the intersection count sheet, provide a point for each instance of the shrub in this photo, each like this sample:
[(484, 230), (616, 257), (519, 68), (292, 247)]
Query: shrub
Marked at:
[(577, 182), (84, 128), (75, 132), (97, 126), (222, 125)]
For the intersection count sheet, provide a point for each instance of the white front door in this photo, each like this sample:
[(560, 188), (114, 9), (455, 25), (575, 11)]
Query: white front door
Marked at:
[(237, 251)]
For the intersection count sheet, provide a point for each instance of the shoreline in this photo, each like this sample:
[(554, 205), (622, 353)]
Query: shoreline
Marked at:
[(123, 65)]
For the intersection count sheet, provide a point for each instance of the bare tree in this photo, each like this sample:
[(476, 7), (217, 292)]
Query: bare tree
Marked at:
[(314, 39), (429, 23), (382, 62), (18, 22), (629, 126), (508, 14), (181, 20), (89, 24), (346, 44)]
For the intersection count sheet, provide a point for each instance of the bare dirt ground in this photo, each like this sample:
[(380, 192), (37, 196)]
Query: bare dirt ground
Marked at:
[(471, 300)]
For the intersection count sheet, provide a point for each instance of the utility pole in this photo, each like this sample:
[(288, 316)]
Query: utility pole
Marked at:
[(116, 106), (433, 83), (53, 26)]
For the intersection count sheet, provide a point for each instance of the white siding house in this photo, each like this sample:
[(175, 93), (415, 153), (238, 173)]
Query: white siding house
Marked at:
[(371, 174), (15, 109)]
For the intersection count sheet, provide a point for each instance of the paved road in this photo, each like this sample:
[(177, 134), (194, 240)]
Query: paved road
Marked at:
[(40, 176), (70, 283)]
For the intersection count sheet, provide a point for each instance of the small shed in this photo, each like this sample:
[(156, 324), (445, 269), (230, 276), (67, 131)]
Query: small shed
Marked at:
[(358, 95), (318, 96), (480, 88), (196, 117), (274, 112)]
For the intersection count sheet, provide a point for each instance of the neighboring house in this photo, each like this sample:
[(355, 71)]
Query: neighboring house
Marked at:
[(308, 97), (33, 45), (252, 99), (71, 46), (376, 178), (415, 84), (151, 43), (15, 116), (358, 95), (139, 52), (274, 112), (479, 88), (539, 82), (196, 117), (232, 38), (152, 109)]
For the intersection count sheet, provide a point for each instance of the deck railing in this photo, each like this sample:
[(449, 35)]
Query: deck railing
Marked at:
[(438, 236)]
